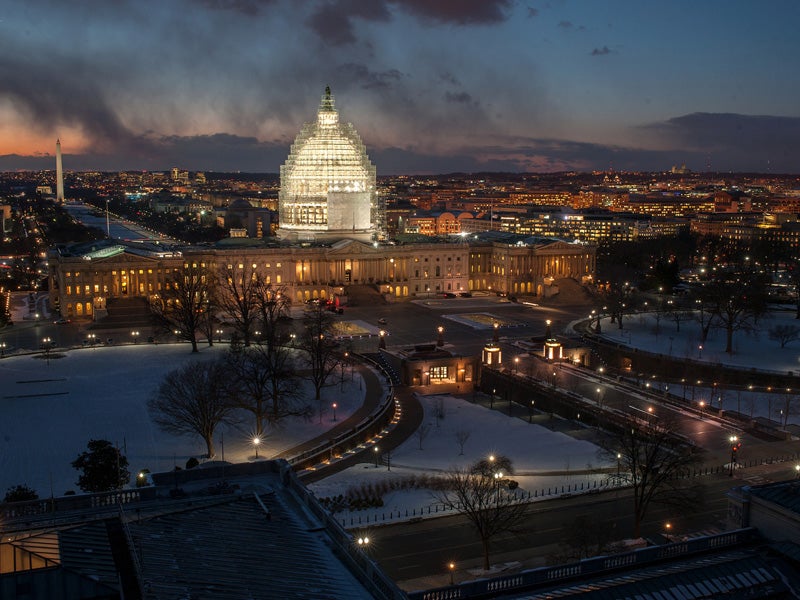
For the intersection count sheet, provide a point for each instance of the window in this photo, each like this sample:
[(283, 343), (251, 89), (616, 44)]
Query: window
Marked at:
[(439, 372)]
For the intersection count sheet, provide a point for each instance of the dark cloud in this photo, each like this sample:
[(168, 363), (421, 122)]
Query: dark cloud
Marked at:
[(458, 12), (532, 12), (247, 7), (362, 76), (219, 152), (601, 51), (333, 20), (47, 93), (459, 97), (734, 141), (448, 77), (565, 24)]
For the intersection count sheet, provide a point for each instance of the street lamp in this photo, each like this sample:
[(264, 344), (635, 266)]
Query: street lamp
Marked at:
[(452, 567), (700, 352), (376, 450), (334, 410), (597, 390), (256, 443), (440, 340), (530, 411), (382, 342), (797, 471), (135, 335), (495, 328), (702, 407), (219, 335), (516, 363), (363, 542), (2, 349), (92, 338), (497, 477), (735, 444), (619, 458)]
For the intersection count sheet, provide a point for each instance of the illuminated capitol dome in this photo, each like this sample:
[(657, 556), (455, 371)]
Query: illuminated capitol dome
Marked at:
[(328, 183)]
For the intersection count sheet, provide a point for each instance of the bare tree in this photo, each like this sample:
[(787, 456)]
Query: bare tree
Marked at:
[(319, 346), (462, 435), (267, 385), (194, 399), (422, 432), (679, 314), (584, 537), (737, 302), (483, 499), (655, 461), (181, 306), (784, 334), (238, 283)]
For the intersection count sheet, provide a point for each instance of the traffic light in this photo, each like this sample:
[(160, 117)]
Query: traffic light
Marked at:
[(735, 451)]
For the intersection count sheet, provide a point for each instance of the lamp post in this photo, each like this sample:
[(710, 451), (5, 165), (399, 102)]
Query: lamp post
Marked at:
[(219, 335), (135, 336), (702, 408), (92, 338), (2, 349), (451, 567), (334, 410), (530, 411), (46, 346), (377, 452), (619, 458), (700, 352), (363, 542), (495, 329), (797, 471), (491, 400), (382, 340), (440, 340), (597, 390), (497, 477), (735, 444), (256, 443), (516, 364)]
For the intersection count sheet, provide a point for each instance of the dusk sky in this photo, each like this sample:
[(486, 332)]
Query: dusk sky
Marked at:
[(432, 86)]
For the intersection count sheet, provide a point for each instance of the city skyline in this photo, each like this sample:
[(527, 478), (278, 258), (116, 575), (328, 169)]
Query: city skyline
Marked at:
[(433, 87)]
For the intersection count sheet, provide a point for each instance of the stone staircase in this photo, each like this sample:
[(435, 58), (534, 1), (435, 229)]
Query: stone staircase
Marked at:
[(126, 313), (364, 295)]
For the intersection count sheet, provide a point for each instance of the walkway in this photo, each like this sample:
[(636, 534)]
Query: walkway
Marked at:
[(410, 419)]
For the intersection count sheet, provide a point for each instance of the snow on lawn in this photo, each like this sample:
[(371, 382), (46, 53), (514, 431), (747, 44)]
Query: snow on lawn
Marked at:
[(751, 350), (50, 411), (541, 458)]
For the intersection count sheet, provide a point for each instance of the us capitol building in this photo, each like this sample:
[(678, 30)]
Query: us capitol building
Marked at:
[(330, 238)]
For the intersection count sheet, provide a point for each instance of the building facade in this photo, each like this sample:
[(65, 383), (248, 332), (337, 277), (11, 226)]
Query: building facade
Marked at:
[(331, 230)]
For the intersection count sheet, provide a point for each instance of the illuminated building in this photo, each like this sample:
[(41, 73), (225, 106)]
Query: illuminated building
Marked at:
[(328, 183)]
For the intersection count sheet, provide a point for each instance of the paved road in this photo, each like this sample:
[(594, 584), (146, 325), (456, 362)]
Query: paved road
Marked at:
[(416, 554)]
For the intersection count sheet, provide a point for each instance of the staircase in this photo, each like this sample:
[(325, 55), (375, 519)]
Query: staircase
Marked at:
[(363, 295), (125, 313)]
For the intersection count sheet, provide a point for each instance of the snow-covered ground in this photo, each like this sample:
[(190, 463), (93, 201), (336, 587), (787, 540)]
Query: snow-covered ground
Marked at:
[(49, 410), (542, 459), (751, 349)]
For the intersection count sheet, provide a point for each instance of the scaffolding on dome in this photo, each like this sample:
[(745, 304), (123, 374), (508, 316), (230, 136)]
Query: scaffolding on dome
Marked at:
[(328, 182)]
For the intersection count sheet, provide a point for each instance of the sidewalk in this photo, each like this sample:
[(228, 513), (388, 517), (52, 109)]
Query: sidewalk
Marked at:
[(410, 418)]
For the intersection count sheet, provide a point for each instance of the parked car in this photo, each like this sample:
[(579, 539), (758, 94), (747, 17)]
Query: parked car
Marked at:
[(61, 321)]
